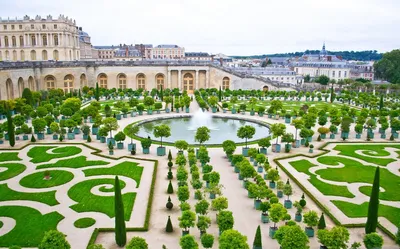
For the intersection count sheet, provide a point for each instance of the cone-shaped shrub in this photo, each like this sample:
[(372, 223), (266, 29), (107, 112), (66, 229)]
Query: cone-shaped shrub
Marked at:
[(33, 139), (321, 222), (120, 230), (89, 139), (169, 228), (372, 219), (257, 239), (170, 189)]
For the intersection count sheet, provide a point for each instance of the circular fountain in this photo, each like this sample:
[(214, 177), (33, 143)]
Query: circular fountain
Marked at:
[(184, 128)]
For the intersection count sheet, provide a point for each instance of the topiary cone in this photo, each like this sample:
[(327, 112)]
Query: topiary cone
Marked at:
[(169, 228)]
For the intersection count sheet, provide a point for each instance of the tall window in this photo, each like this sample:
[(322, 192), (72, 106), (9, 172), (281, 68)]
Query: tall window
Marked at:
[(50, 82), (122, 81), (333, 74), (21, 41), (141, 82), (1, 56), (7, 55), (6, 41), (44, 38), (83, 80), (14, 41), (55, 55), (160, 81), (22, 55), (33, 40), (21, 86), (15, 57), (68, 84), (340, 74), (44, 55), (31, 83), (188, 84), (225, 83), (33, 55), (9, 89), (56, 40), (102, 80)]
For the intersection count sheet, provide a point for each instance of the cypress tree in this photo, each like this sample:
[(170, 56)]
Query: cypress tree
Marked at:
[(89, 139), (161, 94), (97, 93), (170, 189), (321, 222), (169, 228), (120, 230), (257, 243), (332, 97), (220, 94), (381, 103), (11, 130), (27, 94), (79, 94), (169, 155), (372, 220)]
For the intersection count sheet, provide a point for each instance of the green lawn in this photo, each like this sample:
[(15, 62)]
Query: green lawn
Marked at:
[(372, 152), (76, 162), (88, 202), (84, 222), (358, 211), (36, 180), (9, 156), (13, 169), (39, 154), (128, 169), (7, 194), (30, 226)]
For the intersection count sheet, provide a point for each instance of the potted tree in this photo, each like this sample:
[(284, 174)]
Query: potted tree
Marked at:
[(26, 130), (181, 145), (202, 135), (225, 221), (110, 148), (288, 139), (103, 132), (272, 176), (158, 106), (203, 223), (246, 132), (146, 143), (311, 219), (131, 131), (279, 187), (311, 149), (277, 131), (213, 100), (55, 128), (224, 107), (140, 109), (98, 120), (229, 148), (258, 192), (260, 158), (358, 129), (186, 101), (85, 130), (161, 131), (264, 143), (252, 153), (168, 100), (299, 209), (111, 124), (39, 125), (373, 241), (186, 221), (337, 237), (149, 102), (288, 191), (261, 110), (177, 105), (264, 207), (120, 137), (323, 131), (276, 213)]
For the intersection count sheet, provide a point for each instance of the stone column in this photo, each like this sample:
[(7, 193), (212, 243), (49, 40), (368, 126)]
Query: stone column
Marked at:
[(169, 79), (197, 79), (179, 79), (207, 79)]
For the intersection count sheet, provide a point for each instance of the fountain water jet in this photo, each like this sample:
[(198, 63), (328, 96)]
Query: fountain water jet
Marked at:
[(199, 119)]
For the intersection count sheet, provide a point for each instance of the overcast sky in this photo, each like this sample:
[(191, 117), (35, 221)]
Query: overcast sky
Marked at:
[(232, 27)]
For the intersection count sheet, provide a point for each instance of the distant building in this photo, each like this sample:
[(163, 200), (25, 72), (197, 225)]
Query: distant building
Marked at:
[(198, 56), (280, 75), (142, 49), (165, 52), (119, 53), (87, 52), (322, 56), (334, 70), (364, 70), (106, 52)]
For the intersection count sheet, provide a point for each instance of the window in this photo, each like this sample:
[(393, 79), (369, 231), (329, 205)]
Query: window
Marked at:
[(43, 26), (333, 74), (56, 40), (55, 55), (32, 26), (44, 55), (33, 40), (14, 41), (55, 26), (22, 55), (6, 41), (225, 83), (15, 56), (68, 84), (160, 81), (141, 82), (44, 38), (345, 74), (20, 26), (12, 27), (7, 55), (5, 27), (122, 81), (21, 41), (340, 74), (50, 82), (33, 55), (103, 81)]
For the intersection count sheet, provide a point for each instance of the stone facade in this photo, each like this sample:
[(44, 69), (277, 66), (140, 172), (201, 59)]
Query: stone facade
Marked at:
[(14, 77), (39, 39)]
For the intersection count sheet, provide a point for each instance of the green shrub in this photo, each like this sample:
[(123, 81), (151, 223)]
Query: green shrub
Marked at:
[(54, 239), (137, 243)]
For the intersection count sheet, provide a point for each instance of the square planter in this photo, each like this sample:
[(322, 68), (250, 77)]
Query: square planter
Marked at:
[(40, 136), (395, 135), (55, 137), (146, 150), (111, 152), (276, 148), (161, 151), (177, 110), (272, 184), (309, 231), (214, 109), (288, 204), (212, 196), (95, 130), (48, 131), (260, 114), (71, 135), (245, 152), (311, 150), (358, 135), (264, 218), (112, 140), (120, 146), (17, 138), (133, 114), (257, 204), (265, 176), (102, 139), (167, 110), (263, 151), (118, 116), (323, 136), (272, 231), (77, 131), (302, 141), (279, 194), (287, 120), (260, 169), (1, 142), (25, 137), (85, 137), (298, 217), (383, 136), (233, 111), (224, 110), (309, 139), (131, 146), (149, 112), (332, 136)]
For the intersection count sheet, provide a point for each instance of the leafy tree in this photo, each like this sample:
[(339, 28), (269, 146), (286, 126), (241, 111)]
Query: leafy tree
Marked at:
[(257, 239), (229, 147), (54, 239), (27, 94), (336, 238), (277, 212), (137, 243), (111, 124), (95, 246), (202, 206), (187, 220), (373, 240), (188, 242), (181, 145), (183, 193), (232, 239), (311, 218), (207, 240), (220, 203), (131, 131), (39, 124), (372, 219), (202, 134), (298, 123), (148, 101), (322, 79), (278, 130), (120, 229), (264, 142), (290, 237), (203, 223), (162, 131), (225, 220), (246, 132), (388, 67)]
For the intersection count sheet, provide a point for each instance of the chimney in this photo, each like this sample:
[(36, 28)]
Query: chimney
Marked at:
[(329, 58), (126, 52), (221, 61)]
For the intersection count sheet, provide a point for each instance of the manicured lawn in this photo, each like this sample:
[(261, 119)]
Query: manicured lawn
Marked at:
[(36, 180), (84, 222), (76, 162), (30, 226), (357, 211), (9, 156), (128, 169), (88, 202), (7, 194), (371, 152), (357, 172), (13, 169), (40, 154)]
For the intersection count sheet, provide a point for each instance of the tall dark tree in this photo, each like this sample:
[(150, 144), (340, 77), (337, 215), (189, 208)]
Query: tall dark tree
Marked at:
[(11, 130), (97, 93), (257, 243), (161, 93), (388, 67), (372, 220), (220, 94), (381, 103), (332, 94), (27, 94), (120, 229), (79, 94), (321, 222)]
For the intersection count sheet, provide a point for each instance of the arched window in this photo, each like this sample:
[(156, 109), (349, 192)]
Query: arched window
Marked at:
[(1, 56), (83, 80), (160, 81), (31, 83), (56, 40), (15, 57), (44, 39), (9, 89), (7, 55), (21, 86), (122, 81), (141, 81), (70, 55), (44, 55), (68, 84), (50, 82), (55, 55), (102, 79), (225, 83), (188, 83), (33, 40), (22, 55), (14, 41), (6, 44), (33, 55), (21, 41)]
